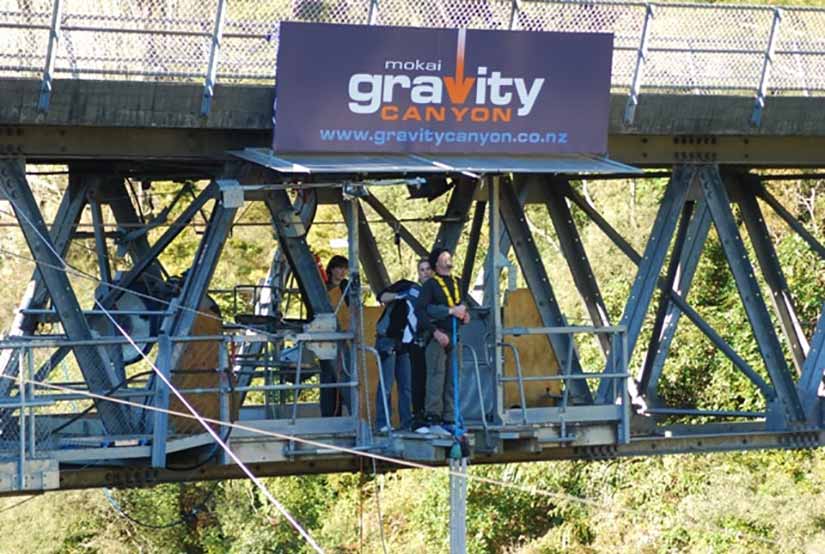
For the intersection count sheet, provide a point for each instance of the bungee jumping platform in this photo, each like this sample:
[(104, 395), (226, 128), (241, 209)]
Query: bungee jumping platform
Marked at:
[(493, 107)]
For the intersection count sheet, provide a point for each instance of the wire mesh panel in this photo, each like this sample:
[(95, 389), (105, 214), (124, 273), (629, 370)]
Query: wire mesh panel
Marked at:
[(624, 20), (471, 14), (250, 40), (24, 37), (692, 48), (706, 48), (124, 38), (799, 64)]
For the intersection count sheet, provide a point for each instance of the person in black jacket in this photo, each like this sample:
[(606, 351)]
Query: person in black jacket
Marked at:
[(395, 331), (440, 301), (400, 343)]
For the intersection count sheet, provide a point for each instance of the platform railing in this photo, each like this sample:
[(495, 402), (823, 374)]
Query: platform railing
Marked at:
[(617, 375), (43, 418), (679, 48)]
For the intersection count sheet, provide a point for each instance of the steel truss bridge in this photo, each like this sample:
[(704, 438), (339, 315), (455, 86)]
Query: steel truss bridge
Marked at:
[(704, 95)]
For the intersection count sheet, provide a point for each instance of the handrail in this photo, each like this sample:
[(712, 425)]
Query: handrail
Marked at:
[(682, 47), (478, 386), (519, 378)]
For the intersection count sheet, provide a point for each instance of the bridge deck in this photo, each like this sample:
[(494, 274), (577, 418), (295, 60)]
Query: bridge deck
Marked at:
[(120, 120)]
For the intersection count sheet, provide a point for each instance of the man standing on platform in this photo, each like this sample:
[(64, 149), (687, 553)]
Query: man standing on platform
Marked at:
[(402, 352), (439, 303)]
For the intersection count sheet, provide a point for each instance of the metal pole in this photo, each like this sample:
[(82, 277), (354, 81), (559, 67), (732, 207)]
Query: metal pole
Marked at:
[(297, 380), (160, 422), (356, 354), (21, 388), (214, 55), (493, 268), (768, 261), (225, 394), (458, 506), (641, 58), (30, 394), (372, 16), (625, 434), (762, 91), (51, 54), (514, 19)]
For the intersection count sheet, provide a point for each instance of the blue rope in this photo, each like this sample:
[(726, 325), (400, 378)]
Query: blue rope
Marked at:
[(458, 427)]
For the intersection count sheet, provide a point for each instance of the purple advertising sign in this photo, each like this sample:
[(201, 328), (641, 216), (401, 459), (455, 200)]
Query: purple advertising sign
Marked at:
[(358, 88)]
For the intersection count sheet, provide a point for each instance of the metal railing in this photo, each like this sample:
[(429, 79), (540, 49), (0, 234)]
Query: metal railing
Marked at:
[(677, 48), (59, 416), (617, 375)]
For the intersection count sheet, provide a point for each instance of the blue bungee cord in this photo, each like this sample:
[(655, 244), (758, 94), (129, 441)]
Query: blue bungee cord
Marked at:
[(456, 451)]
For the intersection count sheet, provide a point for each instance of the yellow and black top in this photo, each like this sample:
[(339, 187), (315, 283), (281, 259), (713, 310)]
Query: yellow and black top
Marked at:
[(438, 295)]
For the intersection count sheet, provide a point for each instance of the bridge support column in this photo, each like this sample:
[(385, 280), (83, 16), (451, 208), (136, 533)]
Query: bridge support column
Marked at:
[(370, 255), (68, 214), (680, 277), (461, 199), (291, 231), (769, 347), (769, 265), (95, 365), (472, 248), (573, 252)]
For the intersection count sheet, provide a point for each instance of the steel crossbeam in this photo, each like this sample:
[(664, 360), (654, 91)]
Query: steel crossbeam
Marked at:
[(573, 252), (769, 347), (647, 278), (771, 270), (529, 258), (291, 232), (68, 214), (95, 365), (147, 263), (458, 207), (180, 322), (792, 222), (695, 238), (115, 194), (680, 277)]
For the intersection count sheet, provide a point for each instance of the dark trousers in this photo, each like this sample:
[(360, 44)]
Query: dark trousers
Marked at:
[(336, 371), (439, 403), (330, 397), (418, 363)]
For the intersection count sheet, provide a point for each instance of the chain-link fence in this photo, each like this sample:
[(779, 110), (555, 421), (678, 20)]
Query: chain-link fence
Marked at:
[(680, 48)]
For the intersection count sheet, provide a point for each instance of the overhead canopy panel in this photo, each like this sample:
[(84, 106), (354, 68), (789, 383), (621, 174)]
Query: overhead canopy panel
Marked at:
[(354, 164)]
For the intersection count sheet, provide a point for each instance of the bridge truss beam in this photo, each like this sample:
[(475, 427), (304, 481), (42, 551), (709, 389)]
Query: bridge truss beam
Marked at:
[(695, 198)]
